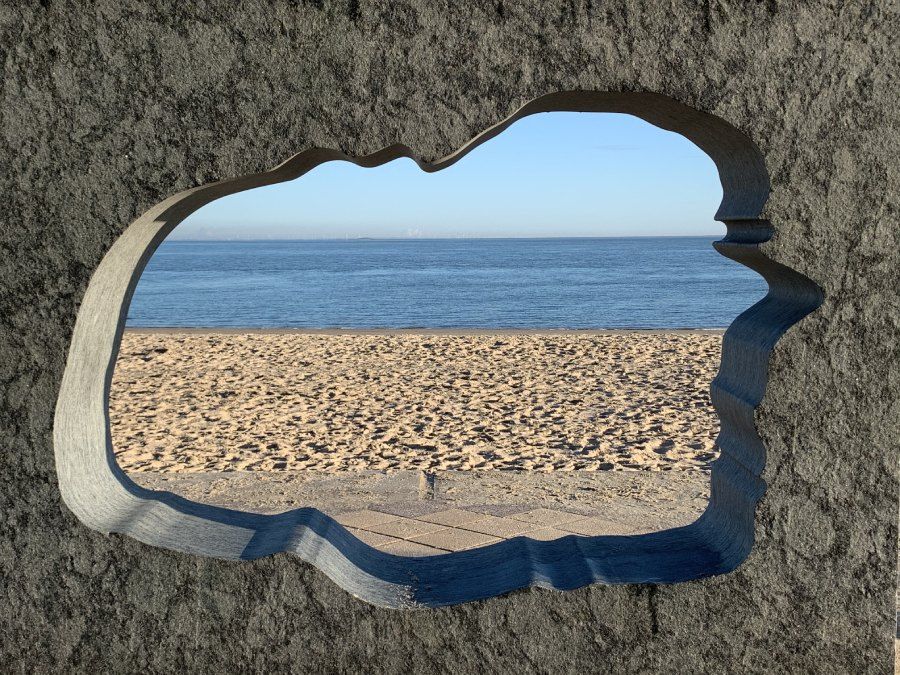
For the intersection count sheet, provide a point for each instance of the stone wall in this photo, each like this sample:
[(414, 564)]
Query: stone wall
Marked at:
[(110, 108)]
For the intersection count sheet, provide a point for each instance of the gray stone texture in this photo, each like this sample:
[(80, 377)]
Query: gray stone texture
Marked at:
[(110, 107)]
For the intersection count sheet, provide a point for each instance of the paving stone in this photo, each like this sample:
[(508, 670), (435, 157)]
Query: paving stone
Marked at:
[(364, 519), (546, 517), (547, 534), (453, 539), (372, 538), (593, 527), (410, 509), (499, 527), (499, 510), (453, 517), (406, 528), (411, 548)]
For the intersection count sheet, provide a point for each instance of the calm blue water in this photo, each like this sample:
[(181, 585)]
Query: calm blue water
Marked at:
[(470, 283)]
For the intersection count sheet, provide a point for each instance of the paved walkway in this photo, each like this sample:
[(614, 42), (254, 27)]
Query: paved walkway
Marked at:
[(458, 529), (409, 513)]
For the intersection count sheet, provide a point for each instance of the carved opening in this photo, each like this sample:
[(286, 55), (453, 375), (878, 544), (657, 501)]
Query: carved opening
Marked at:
[(345, 341), (104, 498)]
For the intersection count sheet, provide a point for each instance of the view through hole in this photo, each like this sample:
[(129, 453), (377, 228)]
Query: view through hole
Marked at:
[(518, 345)]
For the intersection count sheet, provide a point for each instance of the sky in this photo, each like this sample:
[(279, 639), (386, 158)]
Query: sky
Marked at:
[(548, 175)]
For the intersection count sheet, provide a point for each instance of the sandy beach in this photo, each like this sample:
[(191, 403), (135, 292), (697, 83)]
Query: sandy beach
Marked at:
[(331, 401)]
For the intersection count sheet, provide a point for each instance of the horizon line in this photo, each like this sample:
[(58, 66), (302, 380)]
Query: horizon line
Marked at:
[(472, 238)]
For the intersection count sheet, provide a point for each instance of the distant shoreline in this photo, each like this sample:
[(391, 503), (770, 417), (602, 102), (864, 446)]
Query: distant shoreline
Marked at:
[(419, 331)]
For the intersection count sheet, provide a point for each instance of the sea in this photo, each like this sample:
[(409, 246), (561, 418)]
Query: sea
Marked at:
[(577, 283)]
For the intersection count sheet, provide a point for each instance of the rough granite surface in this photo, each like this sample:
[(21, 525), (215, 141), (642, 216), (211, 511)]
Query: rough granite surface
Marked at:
[(109, 107)]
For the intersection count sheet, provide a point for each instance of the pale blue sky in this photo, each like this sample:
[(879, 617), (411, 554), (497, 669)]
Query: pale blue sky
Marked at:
[(548, 175)]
